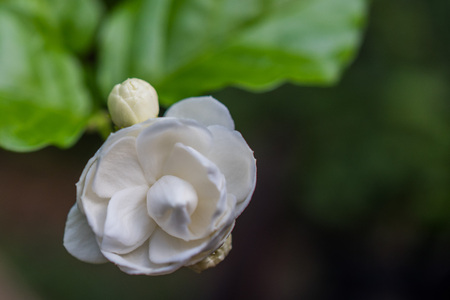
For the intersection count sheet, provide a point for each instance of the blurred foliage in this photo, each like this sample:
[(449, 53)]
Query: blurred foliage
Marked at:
[(384, 145), (185, 48), (53, 79), (43, 99), (377, 143)]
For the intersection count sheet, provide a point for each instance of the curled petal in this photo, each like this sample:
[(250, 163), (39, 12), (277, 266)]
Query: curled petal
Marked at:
[(209, 183), (171, 202), (205, 110), (235, 159), (79, 240), (127, 223), (155, 143), (118, 168)]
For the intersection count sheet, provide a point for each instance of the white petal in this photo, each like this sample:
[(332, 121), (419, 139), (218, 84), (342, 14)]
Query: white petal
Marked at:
[(127, 131), (112, 139), (127, 223), (79, 240), (235, 160), (229, 214), (81, 184), (165, 248), (209, 183), (138, 262), (155, 143), (205, 110), (118, 168), (171, 202), (93, 206), (96, 206)]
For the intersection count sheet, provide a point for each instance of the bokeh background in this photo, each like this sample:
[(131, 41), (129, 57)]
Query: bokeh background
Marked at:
[(353, 193)]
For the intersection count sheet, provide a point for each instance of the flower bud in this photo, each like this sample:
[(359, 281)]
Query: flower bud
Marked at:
[(132, 101)]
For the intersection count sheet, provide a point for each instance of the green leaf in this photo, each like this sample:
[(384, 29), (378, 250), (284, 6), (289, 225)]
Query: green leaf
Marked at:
[(42, 97), (78, 21), (185, 48), (72, 22)]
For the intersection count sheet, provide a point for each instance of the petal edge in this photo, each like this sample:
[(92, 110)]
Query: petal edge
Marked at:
[(80, 240), (205, 110)]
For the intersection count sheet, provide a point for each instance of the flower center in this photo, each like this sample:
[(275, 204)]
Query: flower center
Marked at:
[(170, 202)]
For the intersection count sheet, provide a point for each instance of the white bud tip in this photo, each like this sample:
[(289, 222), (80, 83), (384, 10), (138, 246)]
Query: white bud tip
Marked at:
[(132, 101)]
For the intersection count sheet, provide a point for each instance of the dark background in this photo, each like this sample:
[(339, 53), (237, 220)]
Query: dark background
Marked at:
[(352, 199)]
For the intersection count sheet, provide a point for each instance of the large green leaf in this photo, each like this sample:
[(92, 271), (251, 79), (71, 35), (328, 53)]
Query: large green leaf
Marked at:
[(185, 48), (72, 22), (42, 96)]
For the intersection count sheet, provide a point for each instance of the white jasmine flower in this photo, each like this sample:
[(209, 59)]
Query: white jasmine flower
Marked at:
[(163, 193)]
